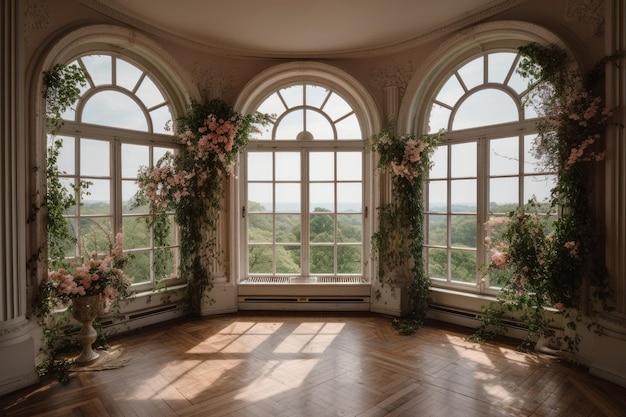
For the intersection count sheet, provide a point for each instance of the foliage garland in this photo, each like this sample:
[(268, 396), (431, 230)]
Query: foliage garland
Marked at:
[(190, 184), (398, 244), (548, 258)]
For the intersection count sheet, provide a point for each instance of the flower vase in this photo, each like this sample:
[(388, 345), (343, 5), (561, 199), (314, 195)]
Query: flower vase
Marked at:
[(86, 310)]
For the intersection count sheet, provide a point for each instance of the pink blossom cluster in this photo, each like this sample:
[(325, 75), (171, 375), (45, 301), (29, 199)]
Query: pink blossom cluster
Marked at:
[(413, 150), (96, 276), (216, 137), (499, 258), (572, 247), (163, 184), (577, 153)]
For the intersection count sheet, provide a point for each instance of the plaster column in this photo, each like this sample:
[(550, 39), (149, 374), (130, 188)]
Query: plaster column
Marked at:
[(17, 356), (615, 203)]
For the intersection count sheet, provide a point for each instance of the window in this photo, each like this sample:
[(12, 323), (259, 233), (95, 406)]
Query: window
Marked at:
[(304, 180), (118, 125), (484, 170)]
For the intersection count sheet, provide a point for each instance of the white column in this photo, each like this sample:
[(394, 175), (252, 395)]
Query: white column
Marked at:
[(615, 202), (16, 345)]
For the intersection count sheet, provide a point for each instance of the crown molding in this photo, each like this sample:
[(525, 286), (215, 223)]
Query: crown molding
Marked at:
[(423, 37)]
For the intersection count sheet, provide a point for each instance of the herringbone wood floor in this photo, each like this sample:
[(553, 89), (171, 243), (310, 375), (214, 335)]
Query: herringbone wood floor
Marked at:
[(316, 364)]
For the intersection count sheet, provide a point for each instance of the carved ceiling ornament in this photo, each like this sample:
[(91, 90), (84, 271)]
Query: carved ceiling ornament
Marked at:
[(211, 81), (586, 11), (393, 75), (36, 16)]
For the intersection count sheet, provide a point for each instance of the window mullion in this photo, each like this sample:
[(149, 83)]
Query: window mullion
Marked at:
[(482, 209), (304, 215)]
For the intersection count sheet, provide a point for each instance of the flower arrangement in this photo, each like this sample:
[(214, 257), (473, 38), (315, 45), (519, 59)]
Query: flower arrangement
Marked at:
[(190, 184), (97, 275), (398, 243), (547, 255)]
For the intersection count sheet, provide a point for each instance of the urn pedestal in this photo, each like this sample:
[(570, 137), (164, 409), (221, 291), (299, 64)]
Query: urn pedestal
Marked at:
[(86, 310)]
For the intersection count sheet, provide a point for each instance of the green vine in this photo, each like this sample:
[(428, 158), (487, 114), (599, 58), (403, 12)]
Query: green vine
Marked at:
[(191, 185), (61, 91), (398, 244), (548, 256)]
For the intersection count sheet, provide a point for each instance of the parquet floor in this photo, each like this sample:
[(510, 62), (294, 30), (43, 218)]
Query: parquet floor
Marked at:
[(317, 364)]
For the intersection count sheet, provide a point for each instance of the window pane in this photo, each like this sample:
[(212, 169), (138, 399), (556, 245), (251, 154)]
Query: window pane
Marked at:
[(138, 267), (129, 189), (94, 157), (315, 95), (463, 160), (319, 126), (499, 66), (161, 120), (349, 197), (472, 112), (99, 68), (260, 166), (503, 194), (149, 93), (437, 263), (287, 259), (290, 126), (463, 265), (336, 107), (112, 108), (539, 186), (451, 92), (260, 259), (322, 166), (94, 234), (288, 229), (439, 161), (322, 228), (260, 228), (134, 157), (136, 232), (322, 260), (349, 166), (287, 166), (349, 128), (66, 156), (439, 118), (472, 73), (349, 228), (322, 197), (127, 74), (463, 231), (288, 198), (349, 260), (260, 197), (293, 96), (272, 105), (463, 198), (437, 230), (98, 201), (438, 196), (504, 156)]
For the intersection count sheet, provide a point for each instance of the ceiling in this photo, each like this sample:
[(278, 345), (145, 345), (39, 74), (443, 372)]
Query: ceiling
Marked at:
[(301, 28)]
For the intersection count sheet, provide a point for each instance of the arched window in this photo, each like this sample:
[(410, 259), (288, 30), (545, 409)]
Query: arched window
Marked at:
[(118, 125), (305, 211), (485, 168)]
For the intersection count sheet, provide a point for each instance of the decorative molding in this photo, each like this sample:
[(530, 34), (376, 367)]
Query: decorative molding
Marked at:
[(393, 75), (36, 17), (586, 11), (16, 328), (212, 81), (492, 9)]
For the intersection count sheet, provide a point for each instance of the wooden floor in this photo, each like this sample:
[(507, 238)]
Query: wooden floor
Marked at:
[(317, 364)]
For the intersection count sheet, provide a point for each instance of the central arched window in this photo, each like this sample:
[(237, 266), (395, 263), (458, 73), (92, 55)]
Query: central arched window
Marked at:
[(304, 179), (485, 168)]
